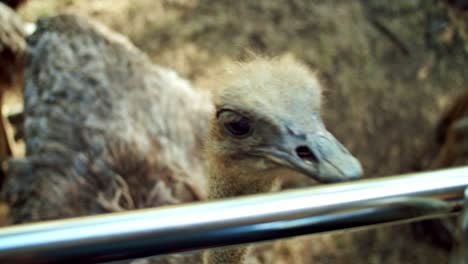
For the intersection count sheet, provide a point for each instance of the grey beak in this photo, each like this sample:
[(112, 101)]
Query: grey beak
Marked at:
[(319, 156)]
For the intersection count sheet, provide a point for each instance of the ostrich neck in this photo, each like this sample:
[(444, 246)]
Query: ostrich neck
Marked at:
[(230, 178)]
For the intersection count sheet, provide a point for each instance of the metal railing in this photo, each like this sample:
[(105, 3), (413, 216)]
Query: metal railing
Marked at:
[(241, 220)]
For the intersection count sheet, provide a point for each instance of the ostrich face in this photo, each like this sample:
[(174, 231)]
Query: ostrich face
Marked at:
[(268, 116)]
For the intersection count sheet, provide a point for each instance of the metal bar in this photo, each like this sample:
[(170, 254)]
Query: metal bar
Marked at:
[(240, 220)]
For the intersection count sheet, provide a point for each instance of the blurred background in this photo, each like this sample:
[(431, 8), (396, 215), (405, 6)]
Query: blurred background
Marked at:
[(394, 72)]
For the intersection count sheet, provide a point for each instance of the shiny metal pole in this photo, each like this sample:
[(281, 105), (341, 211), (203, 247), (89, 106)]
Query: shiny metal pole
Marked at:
[(240, 220)]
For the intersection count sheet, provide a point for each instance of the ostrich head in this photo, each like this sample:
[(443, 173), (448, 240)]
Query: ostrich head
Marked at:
[(268, 117)]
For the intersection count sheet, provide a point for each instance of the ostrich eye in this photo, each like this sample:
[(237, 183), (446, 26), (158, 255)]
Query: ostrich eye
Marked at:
[(235, 124)]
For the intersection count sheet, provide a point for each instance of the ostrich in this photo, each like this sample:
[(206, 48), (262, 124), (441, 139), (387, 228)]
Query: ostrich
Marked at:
[(267, 123), (450, 149), (106, 130)]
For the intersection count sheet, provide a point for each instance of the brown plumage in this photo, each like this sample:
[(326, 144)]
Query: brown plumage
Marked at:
[(452, 133), (449, 149), (452, 139), (106, 130), (12, 49)]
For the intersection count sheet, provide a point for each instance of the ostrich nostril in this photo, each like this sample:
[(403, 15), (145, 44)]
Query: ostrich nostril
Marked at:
[(306, 154)]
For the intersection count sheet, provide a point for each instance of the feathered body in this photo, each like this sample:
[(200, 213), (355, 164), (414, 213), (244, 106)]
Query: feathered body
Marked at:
[(105, 129)]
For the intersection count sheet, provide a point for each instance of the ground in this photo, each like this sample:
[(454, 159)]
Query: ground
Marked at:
[(385, 86)]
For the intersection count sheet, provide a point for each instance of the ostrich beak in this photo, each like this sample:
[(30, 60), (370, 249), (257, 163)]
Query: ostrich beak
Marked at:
[(318, 155)]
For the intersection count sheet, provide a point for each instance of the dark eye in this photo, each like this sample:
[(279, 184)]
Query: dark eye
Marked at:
[(238, 128), (235, 124)]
